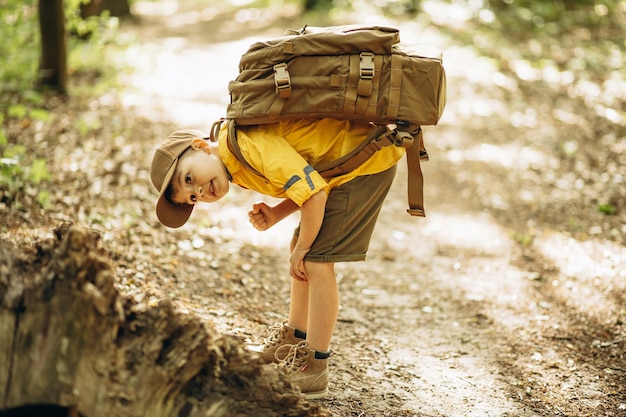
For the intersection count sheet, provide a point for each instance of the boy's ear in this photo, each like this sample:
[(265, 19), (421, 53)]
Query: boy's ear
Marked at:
[(200, 145)]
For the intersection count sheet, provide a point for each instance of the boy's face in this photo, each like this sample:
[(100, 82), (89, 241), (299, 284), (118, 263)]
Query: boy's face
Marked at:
[(200, 176)]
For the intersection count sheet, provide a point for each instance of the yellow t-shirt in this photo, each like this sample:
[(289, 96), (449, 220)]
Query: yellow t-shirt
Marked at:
[(286, 152)]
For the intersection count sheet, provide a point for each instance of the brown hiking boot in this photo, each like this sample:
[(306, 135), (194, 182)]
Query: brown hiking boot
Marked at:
[(306, 372), (279, 335)]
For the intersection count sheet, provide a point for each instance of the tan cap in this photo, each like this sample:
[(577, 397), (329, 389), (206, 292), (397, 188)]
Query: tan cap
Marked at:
[(163, 166)]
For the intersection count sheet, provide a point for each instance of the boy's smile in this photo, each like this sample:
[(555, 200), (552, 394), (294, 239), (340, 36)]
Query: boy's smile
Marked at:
[(200, 176)]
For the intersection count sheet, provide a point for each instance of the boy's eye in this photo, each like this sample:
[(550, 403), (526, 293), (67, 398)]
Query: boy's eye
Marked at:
[(188, 178), (193, 198)]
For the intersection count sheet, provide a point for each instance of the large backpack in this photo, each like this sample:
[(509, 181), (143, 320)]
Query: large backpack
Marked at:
[(343, 72)]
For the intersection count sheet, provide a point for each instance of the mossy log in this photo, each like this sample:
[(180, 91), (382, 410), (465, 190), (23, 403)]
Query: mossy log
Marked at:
[(71, 345)]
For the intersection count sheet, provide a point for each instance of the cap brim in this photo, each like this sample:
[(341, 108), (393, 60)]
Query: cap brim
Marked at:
[(170, 214)]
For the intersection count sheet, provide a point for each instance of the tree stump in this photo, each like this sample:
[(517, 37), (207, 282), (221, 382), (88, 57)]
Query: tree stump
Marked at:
[(71, 345)]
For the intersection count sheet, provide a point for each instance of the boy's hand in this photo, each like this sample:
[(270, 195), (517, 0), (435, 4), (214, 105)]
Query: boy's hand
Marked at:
[(296, 261), (261, 216)]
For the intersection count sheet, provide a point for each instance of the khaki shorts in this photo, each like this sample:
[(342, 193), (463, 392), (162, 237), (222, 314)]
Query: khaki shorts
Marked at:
[(351, 213)]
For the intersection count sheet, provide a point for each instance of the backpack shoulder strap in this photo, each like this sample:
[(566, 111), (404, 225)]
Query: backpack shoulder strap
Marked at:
[(378, 138), (415, 179), (233, 145)]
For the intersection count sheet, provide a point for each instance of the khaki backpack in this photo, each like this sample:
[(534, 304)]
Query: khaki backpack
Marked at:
[(343, 72)]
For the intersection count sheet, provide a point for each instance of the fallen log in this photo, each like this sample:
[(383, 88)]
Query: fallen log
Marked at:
[(71, 345)]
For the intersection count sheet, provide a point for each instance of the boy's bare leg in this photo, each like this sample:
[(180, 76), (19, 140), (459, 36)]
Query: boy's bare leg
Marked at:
[(315, 303), (323, 304), (299, 306)]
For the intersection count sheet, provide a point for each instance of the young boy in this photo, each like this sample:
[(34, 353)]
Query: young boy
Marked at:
[(337, 216)]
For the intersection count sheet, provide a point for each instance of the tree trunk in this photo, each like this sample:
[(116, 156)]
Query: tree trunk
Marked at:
[(93, 8), (53, 64), (72, 346), (117, 8)]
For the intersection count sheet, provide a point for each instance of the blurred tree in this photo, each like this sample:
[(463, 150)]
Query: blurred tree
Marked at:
[(317, 5), (91, 8), (53, 63), (117, 8)]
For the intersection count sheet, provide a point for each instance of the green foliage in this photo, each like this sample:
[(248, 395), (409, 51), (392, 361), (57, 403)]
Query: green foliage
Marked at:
[(20, 34), (39, 171), (569, 35), (525, 20), (523, 238), (43, 198), (22, 176), (18, 178), (3, 135), (75, 24), (608, 209), (21, 111), (85, 125), (20, 173), (40, 115), (17, 111)]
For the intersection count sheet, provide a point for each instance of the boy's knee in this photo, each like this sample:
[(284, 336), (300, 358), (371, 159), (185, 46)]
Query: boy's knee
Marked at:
[(321, 269)]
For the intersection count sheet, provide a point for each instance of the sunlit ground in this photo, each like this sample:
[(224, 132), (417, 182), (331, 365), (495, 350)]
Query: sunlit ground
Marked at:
[(470, 256), (185, 81), (188, 80)]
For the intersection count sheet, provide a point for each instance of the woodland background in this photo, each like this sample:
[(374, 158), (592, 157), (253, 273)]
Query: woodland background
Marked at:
[(507, 300)]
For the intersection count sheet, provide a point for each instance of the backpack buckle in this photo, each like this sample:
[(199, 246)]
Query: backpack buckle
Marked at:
[(416, 212), (366, 66), (402, 139), (282, 81)]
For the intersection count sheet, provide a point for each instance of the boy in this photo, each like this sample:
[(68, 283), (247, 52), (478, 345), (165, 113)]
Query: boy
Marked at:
[(337, 216)]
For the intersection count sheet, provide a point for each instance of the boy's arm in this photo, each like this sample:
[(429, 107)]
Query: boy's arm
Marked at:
[(312, 215), (263, 216)]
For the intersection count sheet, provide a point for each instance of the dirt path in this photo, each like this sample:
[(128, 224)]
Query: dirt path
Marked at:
[(490, 306), (452, 315)]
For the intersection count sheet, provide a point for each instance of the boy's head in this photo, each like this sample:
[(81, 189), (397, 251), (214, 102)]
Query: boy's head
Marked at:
[(162, 169)]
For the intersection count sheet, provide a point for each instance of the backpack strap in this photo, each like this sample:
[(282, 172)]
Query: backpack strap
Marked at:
[(395, 84), (415, 180), (232, 143), (215, 129), (378, 138), (233, 146)]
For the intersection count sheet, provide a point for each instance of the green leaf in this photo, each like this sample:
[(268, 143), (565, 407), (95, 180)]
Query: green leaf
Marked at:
[(14, 152), (33, 97), (39, 171), (608, 209), (43, 198), (524, 239), (17, 111), (40, 114)]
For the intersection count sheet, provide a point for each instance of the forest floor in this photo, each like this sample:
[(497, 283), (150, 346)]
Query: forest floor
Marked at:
[(508, 299)]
